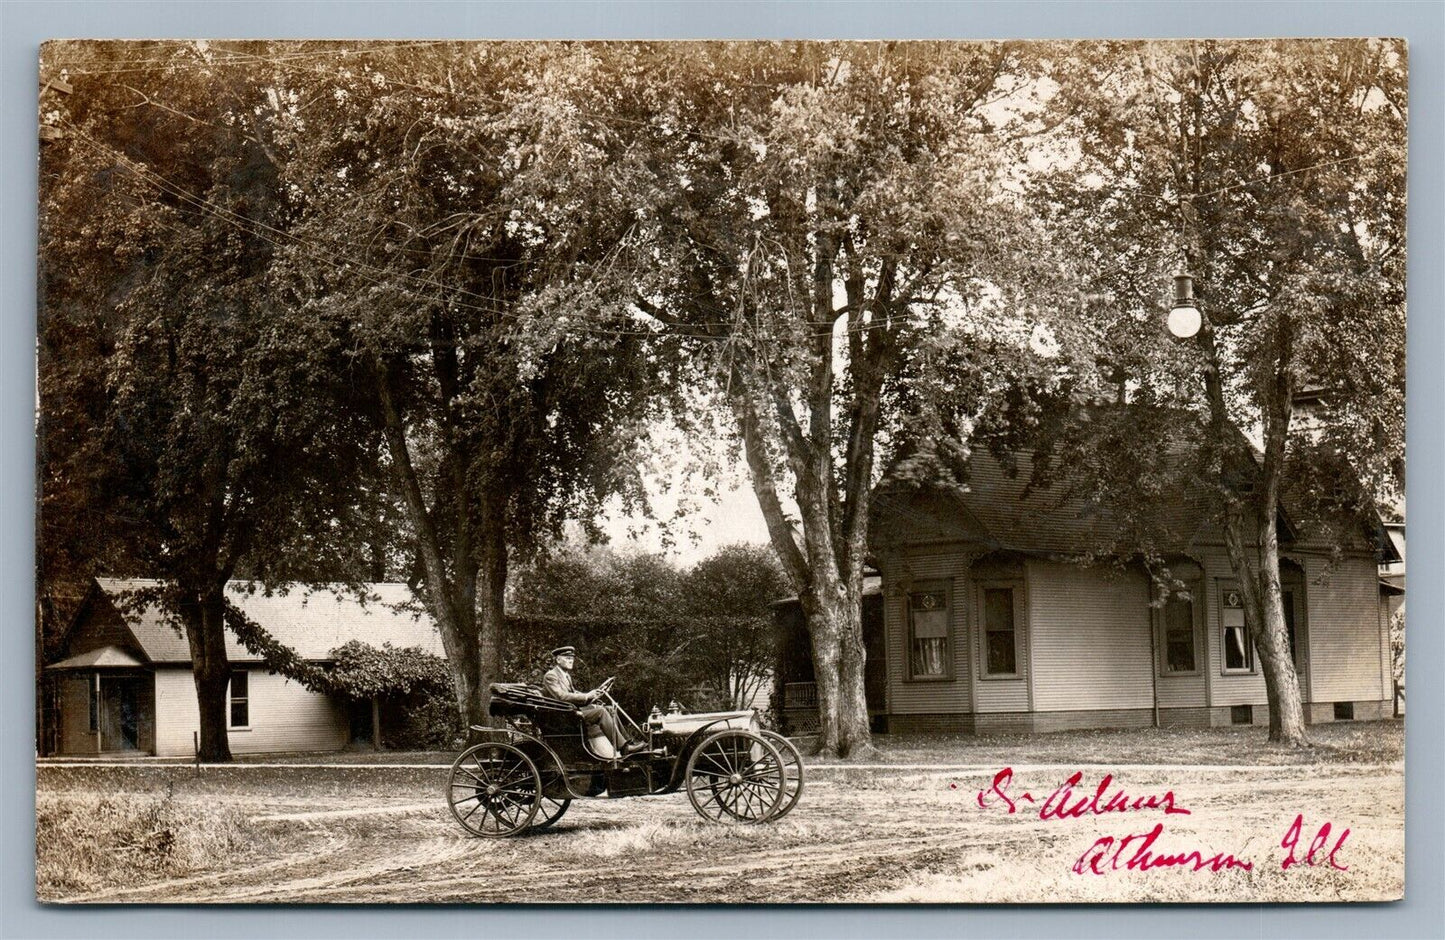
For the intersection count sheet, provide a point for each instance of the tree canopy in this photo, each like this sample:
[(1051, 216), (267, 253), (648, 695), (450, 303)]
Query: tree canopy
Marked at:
[(1273, 172), (203, 426)]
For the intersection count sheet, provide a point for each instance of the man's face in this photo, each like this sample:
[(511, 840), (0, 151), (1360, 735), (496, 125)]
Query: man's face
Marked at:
[(567, 660)]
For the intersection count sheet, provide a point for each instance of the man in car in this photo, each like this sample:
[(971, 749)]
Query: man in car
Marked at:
[(557, 683)]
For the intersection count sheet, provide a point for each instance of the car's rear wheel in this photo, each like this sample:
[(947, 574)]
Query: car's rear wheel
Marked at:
[(494, 790)]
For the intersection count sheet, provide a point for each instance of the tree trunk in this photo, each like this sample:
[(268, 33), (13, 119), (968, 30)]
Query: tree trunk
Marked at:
[(854, 728), (491, 610), (1264, 619), (825, 630), (1259, 583), (203, 615), (831, 605), (835, 626), (451, 596)]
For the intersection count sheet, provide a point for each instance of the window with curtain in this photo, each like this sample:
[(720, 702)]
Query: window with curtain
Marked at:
[(1238, 650), (929, 655)]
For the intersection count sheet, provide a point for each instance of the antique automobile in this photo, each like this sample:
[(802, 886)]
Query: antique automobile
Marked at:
[(523, 777)]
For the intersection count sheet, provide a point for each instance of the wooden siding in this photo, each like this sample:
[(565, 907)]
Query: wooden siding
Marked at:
[(284, 717), (1187, 690), (1089, 634), (1086, 656), (1001, 694), (906, 696), (1348, 653), (1234, 688), (99, 624)]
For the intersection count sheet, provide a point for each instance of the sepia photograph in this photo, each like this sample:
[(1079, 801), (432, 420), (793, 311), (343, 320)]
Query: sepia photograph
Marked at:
[(720, 472)]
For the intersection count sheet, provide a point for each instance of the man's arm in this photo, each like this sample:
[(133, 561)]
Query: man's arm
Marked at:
[(553, 686)]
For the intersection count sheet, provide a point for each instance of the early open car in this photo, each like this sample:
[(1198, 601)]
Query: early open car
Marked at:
[(523, 777)]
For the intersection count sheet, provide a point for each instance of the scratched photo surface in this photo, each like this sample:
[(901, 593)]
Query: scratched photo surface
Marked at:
[(857, 472)]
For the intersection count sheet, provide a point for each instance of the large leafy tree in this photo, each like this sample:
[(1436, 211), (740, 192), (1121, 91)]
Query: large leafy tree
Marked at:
[(190, 427), (452, 204), (1275, 172), (819, 220)]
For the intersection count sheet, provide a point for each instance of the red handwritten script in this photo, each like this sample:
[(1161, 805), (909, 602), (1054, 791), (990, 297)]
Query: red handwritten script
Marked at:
[(1106, 854), (1322, 837), (1058, 806), (1145, 851)]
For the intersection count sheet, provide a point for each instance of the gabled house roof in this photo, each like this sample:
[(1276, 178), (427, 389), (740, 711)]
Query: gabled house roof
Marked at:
[(311, 622), (1002, 509)]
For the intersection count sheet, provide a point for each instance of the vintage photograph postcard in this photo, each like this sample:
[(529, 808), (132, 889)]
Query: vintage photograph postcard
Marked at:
[(741, 472)]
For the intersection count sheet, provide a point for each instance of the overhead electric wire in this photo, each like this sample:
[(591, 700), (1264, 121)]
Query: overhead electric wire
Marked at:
[(383, 276), (282, 59), (240, 57), (260, 230)]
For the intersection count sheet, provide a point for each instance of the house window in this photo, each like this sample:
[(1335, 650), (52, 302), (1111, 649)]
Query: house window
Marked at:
[(1178, 627), (1238, 649), (240, 699), (1000, 632), (929, 656)]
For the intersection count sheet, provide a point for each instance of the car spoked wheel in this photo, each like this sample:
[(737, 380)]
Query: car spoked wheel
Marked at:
[(494, 790), (735, 776)]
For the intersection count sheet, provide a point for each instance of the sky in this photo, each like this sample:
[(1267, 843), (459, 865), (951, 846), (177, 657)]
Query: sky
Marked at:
[(733, 517)]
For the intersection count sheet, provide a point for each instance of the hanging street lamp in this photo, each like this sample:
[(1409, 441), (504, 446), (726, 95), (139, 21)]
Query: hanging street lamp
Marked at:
[(1184, 316)]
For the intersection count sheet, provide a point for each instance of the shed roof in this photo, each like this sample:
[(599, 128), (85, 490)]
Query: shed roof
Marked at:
[(313, 622)]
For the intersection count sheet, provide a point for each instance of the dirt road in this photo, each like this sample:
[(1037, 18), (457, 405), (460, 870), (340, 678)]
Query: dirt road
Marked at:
[(350, 835)]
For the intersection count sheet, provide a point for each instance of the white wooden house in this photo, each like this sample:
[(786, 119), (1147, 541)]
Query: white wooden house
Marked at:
[(982, 621), (125, 683)]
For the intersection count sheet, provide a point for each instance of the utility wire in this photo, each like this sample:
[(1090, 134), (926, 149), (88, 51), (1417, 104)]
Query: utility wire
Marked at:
[(383, 277), (248, 58)]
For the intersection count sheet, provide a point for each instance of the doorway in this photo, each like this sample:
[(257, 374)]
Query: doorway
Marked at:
[(120, 713)]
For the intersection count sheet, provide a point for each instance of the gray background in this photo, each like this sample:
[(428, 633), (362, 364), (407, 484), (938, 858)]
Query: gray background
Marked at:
[(23, 25)]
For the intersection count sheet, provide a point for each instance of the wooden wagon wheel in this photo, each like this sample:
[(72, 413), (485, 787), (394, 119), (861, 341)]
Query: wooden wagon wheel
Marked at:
[(735, 776), (494, 790), (551, 808), (792, 772)]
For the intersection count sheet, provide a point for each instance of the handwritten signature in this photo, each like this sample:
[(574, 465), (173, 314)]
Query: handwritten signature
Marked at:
[(1142, 851), (1056, 805)]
